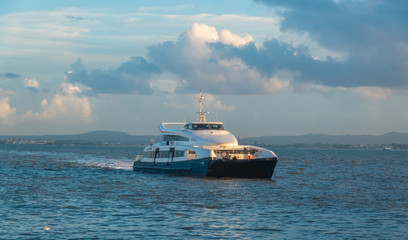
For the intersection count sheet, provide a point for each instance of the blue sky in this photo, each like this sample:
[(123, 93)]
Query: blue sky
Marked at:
[(266, 67)]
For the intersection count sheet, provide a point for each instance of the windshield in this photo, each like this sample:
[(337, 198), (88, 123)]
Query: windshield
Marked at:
[(204, 126)]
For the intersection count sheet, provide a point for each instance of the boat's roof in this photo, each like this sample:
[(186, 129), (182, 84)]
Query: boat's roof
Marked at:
[(204, 123), (186, 123)]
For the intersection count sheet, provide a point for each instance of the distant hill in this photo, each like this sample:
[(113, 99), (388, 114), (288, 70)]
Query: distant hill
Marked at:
[(388, 138), (125, 138), (95, 137), (102, 136)]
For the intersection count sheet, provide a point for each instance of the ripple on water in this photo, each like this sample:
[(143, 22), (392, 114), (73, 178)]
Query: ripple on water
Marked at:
[(88, 192)]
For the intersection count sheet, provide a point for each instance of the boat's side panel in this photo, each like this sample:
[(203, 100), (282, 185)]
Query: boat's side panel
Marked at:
[(196, 167), (202, 162), (254, 168)]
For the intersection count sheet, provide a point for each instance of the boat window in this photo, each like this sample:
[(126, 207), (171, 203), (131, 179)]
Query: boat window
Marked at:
[(191, 155), (179, 154), (148, 154), (216, 127), (207, 126), (174, 138), (188, 126), (163, 154)]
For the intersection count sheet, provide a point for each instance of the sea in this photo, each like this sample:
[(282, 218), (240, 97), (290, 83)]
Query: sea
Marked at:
[(91, 192)]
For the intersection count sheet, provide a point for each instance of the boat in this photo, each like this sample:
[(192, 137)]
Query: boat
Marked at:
[(204, 149)]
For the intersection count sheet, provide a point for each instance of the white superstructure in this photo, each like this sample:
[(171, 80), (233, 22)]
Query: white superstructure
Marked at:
[(201, 146)]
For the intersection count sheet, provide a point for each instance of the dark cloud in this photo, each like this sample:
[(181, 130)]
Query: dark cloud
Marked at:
[(370, 36), (10, 75), (372, 33), (73, 18), (129, 78), (276, 56), (345, 22), (32, 89)]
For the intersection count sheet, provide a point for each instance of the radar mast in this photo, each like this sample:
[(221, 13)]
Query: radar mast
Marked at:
[(201, 114)]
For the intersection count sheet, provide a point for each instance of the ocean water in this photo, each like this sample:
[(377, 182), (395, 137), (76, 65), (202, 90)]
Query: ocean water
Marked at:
[(91, 192)]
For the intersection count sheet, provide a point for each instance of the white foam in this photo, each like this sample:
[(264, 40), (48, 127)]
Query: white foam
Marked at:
[(120, 164)]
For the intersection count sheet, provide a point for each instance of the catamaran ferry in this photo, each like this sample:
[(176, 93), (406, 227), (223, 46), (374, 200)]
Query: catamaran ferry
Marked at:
[(203, 149)]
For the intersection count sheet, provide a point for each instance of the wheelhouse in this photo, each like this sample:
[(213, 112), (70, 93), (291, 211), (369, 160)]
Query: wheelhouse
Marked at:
[(204, 126)]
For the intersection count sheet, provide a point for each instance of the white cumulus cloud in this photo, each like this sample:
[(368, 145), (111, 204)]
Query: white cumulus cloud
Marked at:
[(211, 102), (374, 93), (7, 113), (67, 106), (228, 37), (31, 84), (199, 35), (200, 59)]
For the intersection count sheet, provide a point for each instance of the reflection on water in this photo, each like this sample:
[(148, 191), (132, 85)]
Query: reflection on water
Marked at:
[(50, 192)]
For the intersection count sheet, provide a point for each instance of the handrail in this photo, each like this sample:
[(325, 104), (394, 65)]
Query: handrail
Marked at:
[(173, 123), (162, 126)]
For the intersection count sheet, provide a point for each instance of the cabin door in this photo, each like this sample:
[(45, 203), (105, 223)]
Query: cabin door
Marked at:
[(171, 156), (156, 154)]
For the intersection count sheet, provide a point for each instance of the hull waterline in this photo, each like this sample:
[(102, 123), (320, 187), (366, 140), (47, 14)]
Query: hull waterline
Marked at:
[(220, 168)]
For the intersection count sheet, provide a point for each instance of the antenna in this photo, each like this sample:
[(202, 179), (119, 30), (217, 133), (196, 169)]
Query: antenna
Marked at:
[(201, 114)]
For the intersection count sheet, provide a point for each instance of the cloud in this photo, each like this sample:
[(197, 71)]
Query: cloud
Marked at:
[(372, 34), (198, 58), (73, 18), (82, 30), (67, 106), (215, 104), (131, 77), (227, 37), (7, 113), (10, 75), (374, 93), (188, 101), (31, 84)]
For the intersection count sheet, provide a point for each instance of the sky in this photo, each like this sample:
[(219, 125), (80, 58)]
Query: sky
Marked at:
[(266, 67)]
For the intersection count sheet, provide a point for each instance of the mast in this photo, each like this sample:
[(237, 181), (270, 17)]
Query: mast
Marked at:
[(201, 114)]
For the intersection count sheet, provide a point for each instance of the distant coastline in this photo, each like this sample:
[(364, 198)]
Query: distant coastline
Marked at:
[(392, 140), (108, 138)]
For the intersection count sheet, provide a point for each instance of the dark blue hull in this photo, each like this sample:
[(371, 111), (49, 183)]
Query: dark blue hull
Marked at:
[(249, 168), (196, 167)]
